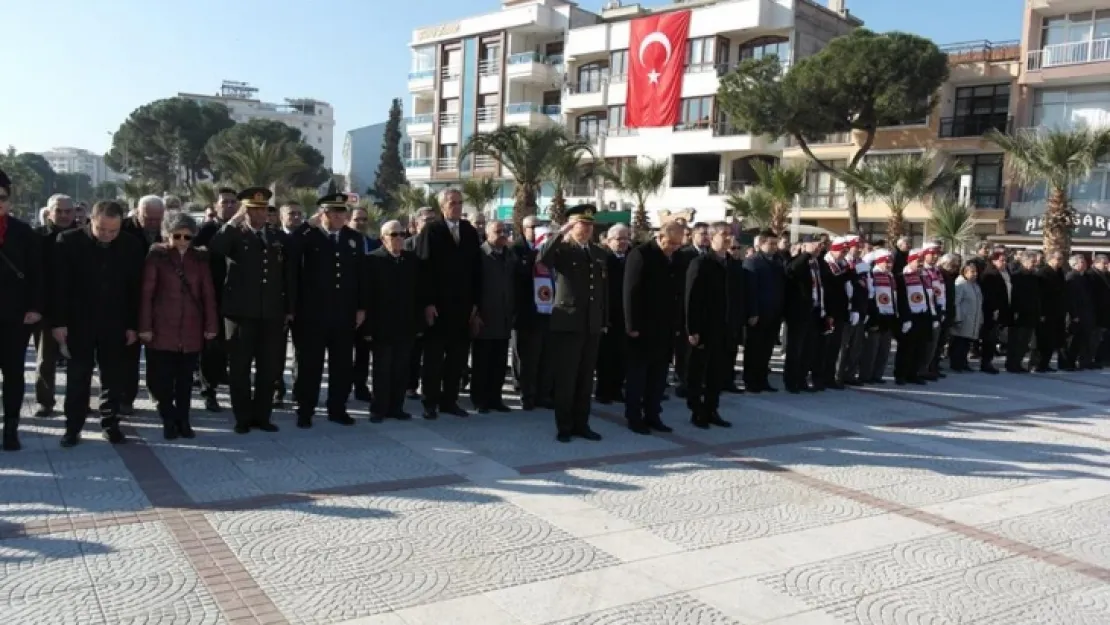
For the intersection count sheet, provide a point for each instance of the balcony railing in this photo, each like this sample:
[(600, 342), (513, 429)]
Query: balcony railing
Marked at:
[(447, 164), (590, 136), (982, 51), (418, 162), (724, 188), (1072, 53), (591, 86), (553, 59), (448, 119), (420, 119), (535, 57), (487, 114), (422, 74), (988, 198), (551, 110), (585, 189), (726, 129), (522, 108), (837, 138), (451, 73), (825, 200), (697, 124), (490, 67), (973, 125), (621, 131), (485, 162)]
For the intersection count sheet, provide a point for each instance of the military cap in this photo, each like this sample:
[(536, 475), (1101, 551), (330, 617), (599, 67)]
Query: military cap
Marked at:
[(582, 212), (336, 202), (5, 182), (223, 190), (256, 197)]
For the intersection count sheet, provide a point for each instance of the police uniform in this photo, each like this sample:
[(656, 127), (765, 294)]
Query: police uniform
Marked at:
[(259, 293), (333, 290), (578, 318)]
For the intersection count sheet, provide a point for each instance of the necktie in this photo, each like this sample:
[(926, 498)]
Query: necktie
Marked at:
[(335, 239), (455, 232)]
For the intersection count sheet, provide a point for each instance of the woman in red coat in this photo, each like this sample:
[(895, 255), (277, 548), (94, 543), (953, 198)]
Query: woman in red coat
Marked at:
[(177, 314)]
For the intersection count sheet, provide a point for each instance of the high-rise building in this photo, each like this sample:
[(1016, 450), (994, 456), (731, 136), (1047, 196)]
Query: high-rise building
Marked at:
[(78, 161), (315, 119), (541, 62)]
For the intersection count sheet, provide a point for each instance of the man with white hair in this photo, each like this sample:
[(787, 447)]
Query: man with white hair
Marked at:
[(147, 222), (611, 352), (60, 218)]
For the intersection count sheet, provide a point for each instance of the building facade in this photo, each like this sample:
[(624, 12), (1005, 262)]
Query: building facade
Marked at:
[(362, 152), (542, 62), (315, 119), (78, 161)]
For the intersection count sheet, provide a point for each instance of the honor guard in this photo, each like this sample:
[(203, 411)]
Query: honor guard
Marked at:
[(332, 303), (259, 298)]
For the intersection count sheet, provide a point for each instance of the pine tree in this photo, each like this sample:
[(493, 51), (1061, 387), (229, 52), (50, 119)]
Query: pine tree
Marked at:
[(391, 171)]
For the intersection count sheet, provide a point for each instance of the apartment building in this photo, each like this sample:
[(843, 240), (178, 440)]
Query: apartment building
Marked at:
[(1065, 82), (979, 96), (540, 62)]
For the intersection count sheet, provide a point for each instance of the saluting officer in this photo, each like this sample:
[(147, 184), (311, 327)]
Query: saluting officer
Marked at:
[(579, 317), (332, 302), (259, 299)]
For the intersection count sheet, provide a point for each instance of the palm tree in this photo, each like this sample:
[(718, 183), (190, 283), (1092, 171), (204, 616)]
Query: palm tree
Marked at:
[(205, 193), (410, 199), (782, 184), (901, 180), (526, 153), (755, 208), (564, 170), (951, 223), (641, 180), (262, 164), (1059, 159), (303, 196), (134, 189), (480, 192)]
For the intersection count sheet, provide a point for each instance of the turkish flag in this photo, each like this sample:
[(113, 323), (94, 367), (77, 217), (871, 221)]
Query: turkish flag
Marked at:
[(656, 65)]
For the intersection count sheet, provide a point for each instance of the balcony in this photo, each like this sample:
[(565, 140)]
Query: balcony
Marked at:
[(418, 168), (533, 67), (450, 73), (422, 80), (487, 115), (830, 200), (973, 125), (585, 95), (699, 124), (1063, 54), (530, 113), (837, 138), (447, 164), (726, 188), (485, 163), (982, 51), (489, 67), (448, 119), (419, 125)]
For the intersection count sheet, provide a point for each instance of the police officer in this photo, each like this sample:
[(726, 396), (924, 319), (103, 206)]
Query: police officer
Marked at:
[(259, 298), (332, 301), (579, 317)]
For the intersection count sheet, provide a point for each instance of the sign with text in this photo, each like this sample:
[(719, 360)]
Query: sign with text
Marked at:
[(1084, 225)]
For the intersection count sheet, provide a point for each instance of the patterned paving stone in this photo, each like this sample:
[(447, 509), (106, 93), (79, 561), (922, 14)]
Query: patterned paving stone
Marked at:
[(669, 610)]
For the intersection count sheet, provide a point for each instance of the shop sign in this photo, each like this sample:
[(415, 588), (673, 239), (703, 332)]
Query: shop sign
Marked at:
[(1084, 226)]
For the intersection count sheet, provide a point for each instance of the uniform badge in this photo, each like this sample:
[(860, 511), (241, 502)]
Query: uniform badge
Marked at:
[(883, 298), (352, 242)]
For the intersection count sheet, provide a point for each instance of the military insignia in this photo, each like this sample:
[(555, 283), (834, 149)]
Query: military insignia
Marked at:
[(917, 298), (883, 298), (353, 244), (259, 197), (544, 293)]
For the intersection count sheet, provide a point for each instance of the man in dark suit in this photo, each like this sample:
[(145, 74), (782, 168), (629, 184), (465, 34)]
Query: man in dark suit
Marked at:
[(612, 354), (737, 287), (1051, 331), (97, 275), (423, 217), (651, 299), (805, 319), (707, 329), (360, 371), (21, 306), (699, 245), (1025, 309), (995, 285), (767, 288), (449, 250), (534, 292), (332, 298), (578, 318), (146, 226), (61, 218), (213, 359), (259, 300)]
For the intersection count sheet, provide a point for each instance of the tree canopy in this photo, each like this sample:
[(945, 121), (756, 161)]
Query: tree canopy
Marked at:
[(26, 183), (224, 148), (40, 166), (391, 170)]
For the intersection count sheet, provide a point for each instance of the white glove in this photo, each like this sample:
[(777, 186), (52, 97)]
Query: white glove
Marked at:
[(866, 317), (853, 318), (906, 326), (936, 324)]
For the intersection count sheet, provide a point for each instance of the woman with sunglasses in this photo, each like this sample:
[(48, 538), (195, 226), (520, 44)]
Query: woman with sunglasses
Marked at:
[(177, 314)]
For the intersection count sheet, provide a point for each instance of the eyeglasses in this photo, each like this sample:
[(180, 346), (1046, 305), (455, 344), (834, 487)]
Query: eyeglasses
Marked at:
[(394, 235), (3, 198), (178, 236), (734, 249)]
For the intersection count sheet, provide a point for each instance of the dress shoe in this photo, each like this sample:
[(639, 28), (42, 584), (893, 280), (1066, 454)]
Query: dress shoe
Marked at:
[(402, 416), (527, 404), (588, 434), (563, 438), (990, 370), (917, 381), (44, 411), (455, 410), (186, 430), (342, 418), (715, 419), (211, 404), (659, 426), (376, 418), (11, 440), (483, 410), (241, 429), (837, 386), (793, 390), (430, 414), (853, 382), (114, 435), (770, 389), (268, 427), (699, 421), (639, 427), (169, 431), (412, 394), (304, 422), (70, 439)]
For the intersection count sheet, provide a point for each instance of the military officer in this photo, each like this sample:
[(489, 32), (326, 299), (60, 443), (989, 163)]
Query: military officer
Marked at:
[(259, 299), (332, 301), (578, 318)]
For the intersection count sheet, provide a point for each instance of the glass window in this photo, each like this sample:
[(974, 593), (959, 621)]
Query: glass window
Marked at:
[(490, 52), (618, 64), (449, 105), (986, 179), (590, 125), (616, 117), (766, 46), (696, 112), (452, 59), (423, 58), (406, 150), (1064, 108), (591, 76), (448, 150)]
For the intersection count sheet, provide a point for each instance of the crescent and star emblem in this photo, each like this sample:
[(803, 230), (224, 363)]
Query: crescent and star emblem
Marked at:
[(661, 39)]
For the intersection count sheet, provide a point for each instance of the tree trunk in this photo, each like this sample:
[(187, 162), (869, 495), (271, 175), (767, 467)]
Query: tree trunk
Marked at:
[(524, 205), (894, 227), (853, 211), (557, 213), (640, 224), (1057, 223), (779, 213)]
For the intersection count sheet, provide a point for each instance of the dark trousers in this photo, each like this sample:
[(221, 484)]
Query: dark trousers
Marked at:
[(314, 338), (958, 348), (490, 360), (802, 342), (13, 351), (213, 364), (279, 387), (444, 360), (573, 356), (416, 358), (645, 386), (758, 347), (681, 358), (46, 365), (732, 352), (611, 357), (391, 376), (876, 352), (1078, 351), (851, 346), (107, 355), (1050, 339), (169, 376), (132, 354), (907, 360), (830, 344), (945, 332), (988, 336), (532, 360), (360, 370), (256, 342), (1017, 345), (705, 376)]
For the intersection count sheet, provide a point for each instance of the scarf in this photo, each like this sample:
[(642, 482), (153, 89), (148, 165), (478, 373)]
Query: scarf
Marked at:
[(818, 293), (915, 292), (883, 292), (935, 280)]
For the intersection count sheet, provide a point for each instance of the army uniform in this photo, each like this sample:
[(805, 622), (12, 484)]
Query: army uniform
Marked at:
[(259, 291), (579, 317), (333, 290)]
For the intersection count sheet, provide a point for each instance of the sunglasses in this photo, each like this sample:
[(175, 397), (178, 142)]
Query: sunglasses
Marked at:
[(734, 249), (394, 235), (182, 237), (3, 198)]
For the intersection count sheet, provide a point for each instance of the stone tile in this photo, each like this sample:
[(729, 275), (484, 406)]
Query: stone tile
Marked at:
[(473, 610), (632, 545), (578, 595), (668, 610), (748, 600), (73, 607)]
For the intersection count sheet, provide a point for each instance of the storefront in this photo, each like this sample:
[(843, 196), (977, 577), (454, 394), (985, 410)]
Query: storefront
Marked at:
[(1090, 233)]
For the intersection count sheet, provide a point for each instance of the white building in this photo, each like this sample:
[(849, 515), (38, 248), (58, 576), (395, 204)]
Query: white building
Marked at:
[(362, 152), (315, 119), (538, 62), (78, 161)]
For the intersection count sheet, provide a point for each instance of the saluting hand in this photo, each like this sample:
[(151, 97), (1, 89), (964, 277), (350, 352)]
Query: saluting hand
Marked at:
[(131, 336), (430, 315), (31, 318), (146, 337), (360, 317), (694, 339)]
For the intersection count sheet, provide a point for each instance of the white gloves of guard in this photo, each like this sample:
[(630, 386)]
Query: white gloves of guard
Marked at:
[(853, 318), (906, 325)]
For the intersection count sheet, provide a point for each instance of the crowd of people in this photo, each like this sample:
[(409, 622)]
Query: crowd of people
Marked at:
[(425, 309)]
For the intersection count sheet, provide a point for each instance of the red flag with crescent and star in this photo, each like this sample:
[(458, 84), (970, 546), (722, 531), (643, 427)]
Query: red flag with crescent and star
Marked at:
[(656, 65)]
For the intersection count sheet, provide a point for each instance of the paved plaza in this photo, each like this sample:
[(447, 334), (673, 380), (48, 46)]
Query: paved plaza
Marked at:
[(979, 500)]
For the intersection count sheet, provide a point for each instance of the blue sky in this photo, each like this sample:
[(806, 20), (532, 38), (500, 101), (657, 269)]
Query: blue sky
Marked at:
[(75, 68)]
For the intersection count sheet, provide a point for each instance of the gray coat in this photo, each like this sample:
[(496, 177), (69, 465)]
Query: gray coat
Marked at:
[(495, 307), (969, 309)]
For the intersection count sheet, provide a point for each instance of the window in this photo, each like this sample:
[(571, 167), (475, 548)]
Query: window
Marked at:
[(723, 46), (423, 58), (552, 98), (618, 64), (1088, 105), (490, 51), (977, 110), (591, 76), (448, 150), (824, 190), (590, 125), (763, 47), (452, 61), (1075, 38), (406, 150), (1094, 188), (986, 179), (488, 100), (616, 119), (449, 105), (699, 51), (696, 113)]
